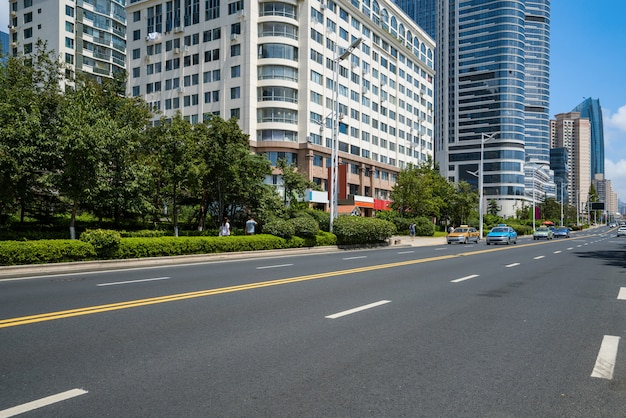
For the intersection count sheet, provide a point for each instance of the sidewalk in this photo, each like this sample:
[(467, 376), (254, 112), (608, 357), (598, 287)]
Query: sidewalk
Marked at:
[(417, 241), (8, 272)]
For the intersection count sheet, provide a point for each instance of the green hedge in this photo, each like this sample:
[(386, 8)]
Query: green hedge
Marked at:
[(56, 251), (44, 251), (359, 230)]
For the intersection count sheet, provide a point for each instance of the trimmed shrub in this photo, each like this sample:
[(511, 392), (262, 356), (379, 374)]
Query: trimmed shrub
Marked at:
[(321, 217), (424, 227), (280, 228), (104, 241), (324, 238), (359, 230), (304, 226), (44, 251)]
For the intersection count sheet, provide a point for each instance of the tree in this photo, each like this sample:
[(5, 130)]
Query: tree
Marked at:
[(30, 97), (295, 184), (492, 207), (228, 178), (171, 143), (124, 192), (84, 129), (422, 191), (463, 203)]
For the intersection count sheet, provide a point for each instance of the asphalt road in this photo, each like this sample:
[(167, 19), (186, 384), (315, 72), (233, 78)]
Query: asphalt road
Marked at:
[(527, 330)]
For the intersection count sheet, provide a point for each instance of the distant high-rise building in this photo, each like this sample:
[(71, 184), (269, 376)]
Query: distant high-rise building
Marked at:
[(573, 133), (559, 164), (591, 109), (421, 11), (492, 89), (90, 37), (606, 195), (4, 46)]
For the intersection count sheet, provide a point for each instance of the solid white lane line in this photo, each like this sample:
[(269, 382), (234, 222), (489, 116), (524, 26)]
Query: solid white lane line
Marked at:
[(539, 257), (406, 252), (274, 266), (462, 279), (605, 363), (557, 252), (354, 258), (512, 265), (20, 409), (134, 281), (359, 309), (622, 293)]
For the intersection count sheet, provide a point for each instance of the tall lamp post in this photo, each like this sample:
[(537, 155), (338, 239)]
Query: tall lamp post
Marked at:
[(335, 145), (483, 138), (533, 197), (479, 173)]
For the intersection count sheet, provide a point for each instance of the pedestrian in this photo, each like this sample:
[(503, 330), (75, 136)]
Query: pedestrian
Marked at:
[(250, 226), (224, 228), (412, 230), (451, 229)]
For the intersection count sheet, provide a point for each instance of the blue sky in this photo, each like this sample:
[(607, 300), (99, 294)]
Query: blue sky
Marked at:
[(587, 59)]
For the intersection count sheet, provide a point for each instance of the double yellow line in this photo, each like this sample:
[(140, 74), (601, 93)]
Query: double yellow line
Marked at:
[(51, 316)]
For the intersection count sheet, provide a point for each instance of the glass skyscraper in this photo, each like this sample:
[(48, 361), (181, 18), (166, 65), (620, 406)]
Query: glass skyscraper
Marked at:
[(492, 89), (591, 109)]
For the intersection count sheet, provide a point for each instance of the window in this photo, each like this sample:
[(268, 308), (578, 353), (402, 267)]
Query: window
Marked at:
[(235, 71), (136, 35), (69, 11), (28, 33), (235, 50)]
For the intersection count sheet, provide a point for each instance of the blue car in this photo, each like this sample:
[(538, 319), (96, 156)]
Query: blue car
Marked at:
[(501, 234)]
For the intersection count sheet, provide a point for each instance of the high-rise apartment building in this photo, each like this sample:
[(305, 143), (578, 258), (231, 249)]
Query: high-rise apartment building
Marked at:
[(606, 195), (276, 66), (88, 35), (591, 109), (492, 91), (573, 133)]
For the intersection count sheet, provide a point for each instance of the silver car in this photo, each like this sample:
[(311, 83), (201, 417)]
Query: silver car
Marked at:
[(621, 231)]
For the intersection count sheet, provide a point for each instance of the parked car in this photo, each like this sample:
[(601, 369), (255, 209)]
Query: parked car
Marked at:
[(501, 234), (621, 231), (543, 232), (561, 232), (463, 235)]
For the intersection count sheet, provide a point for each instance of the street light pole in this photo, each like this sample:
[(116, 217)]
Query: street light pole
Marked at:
[(334, 154), (533, 196), (562, 184), (483, 138)]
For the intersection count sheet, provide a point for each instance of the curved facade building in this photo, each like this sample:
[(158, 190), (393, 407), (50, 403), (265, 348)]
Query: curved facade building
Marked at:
[(273, 65), (492, 89), (591, 109)]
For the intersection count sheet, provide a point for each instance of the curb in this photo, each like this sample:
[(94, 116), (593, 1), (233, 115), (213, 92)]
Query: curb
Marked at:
[(15, 272)]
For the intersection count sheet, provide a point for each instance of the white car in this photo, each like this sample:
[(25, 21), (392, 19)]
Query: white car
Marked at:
[(621, 231)]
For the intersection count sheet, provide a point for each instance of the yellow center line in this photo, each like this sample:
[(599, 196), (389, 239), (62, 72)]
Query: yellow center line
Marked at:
[(51, 316)]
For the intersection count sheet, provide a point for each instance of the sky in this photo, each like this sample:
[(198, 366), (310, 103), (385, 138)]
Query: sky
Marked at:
[(587, 59)]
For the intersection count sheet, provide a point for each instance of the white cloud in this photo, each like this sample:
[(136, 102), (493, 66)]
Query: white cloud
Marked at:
[(617, 120)]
